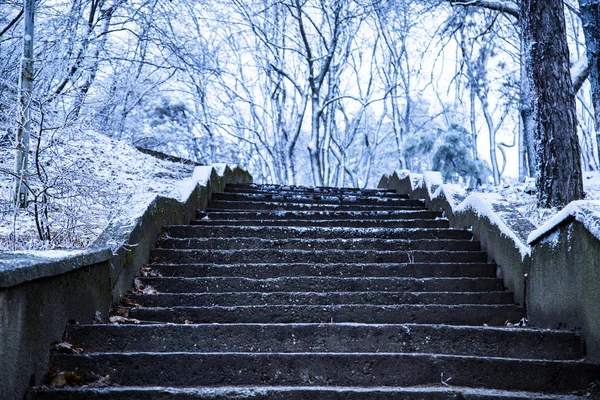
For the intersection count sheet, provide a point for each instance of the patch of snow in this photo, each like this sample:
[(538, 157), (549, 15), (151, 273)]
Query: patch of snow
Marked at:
[(402, 174), (586, 212), (416, 180), (455, 194), (552, 239), (482, 204), (183, 189), (432, 180), (50, 254)]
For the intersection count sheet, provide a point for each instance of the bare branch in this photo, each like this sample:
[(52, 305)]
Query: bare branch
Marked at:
[(579, 72), (496, 5)]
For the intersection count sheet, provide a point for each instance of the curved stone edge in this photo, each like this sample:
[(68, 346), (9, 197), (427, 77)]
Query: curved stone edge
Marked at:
[(501, 230), (587, 212), (42, 291)]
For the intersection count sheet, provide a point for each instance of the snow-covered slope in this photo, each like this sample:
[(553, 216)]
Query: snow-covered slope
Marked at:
[(89, 177)]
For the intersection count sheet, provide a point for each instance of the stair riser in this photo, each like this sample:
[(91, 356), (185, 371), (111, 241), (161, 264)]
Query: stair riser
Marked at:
[(315, 198), (312, 298), (403, 314), (323, 215), (321, 284), (367, 223), (176, 256), (186, 231), (328, 369), (303, 189), (262, 271), (287, 206), (511, 343), (305, 244)]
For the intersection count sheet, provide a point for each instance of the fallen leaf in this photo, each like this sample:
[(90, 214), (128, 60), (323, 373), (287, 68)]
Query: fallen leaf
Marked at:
[(127, 302), (65, 378), (139, 287), (66, 348), (117, 319)]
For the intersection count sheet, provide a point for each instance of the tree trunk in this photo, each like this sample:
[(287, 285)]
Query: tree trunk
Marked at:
[(559, 179), (589, 11), (526, 107), (25, 87)]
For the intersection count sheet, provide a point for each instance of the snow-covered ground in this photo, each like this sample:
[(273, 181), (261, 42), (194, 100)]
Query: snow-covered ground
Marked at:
[(91, 177), (522, 196)]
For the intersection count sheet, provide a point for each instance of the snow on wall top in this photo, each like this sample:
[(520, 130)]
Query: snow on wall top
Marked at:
[(201, 175), (585, 211), (455, 194), (432, 180), (415, 180), (501, 214)]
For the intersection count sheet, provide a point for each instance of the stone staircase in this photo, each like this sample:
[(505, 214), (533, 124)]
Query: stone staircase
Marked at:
[(286, 292)]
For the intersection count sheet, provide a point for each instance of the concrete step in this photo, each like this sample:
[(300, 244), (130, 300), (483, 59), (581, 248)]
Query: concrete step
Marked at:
[(358, 223), (218, 215), (260, 271), (295, 188), (322, 232), (429, 392), (340, 192), (328, 369), (326, 338), (292, 206), (318, 244), (317, 198), (462, 314), (183, 256), (230, 299), (321, 284)]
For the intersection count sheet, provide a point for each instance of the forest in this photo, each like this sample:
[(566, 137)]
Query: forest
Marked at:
[(304, 92)]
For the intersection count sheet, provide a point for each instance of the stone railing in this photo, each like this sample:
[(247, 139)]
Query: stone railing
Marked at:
[(554, 271), (41, 291)]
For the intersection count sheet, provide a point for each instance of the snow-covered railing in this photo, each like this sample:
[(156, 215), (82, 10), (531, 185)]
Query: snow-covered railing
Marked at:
[(41, 291), (501, 230), (553, 270), (564, 284)]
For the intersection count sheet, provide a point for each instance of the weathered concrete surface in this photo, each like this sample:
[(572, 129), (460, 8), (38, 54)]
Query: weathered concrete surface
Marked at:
[(33, 315), (564, 284), (39, 294), (513, 264)]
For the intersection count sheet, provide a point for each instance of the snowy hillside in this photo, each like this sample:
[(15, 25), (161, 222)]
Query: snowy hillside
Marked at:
[(87, 178)]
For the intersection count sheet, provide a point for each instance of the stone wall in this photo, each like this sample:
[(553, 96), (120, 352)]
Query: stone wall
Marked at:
[(554, 271), (40, 292)]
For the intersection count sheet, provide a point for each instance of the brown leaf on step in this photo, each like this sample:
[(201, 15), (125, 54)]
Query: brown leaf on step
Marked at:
[(121, 312), (140, 288), (68, 378), (66, 348), (149, 272), (127, 302), (117, 319)]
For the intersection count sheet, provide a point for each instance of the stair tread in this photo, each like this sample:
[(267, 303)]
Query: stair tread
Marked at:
[(293, 392)]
